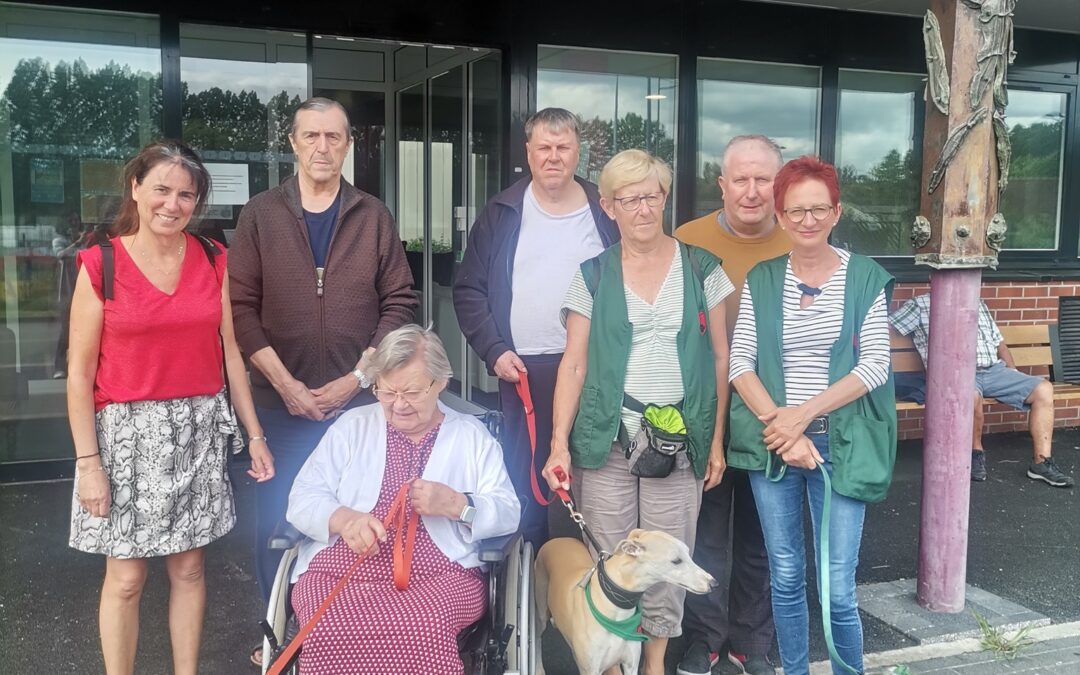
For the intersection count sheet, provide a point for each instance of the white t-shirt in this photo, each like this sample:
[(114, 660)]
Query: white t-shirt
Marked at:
[(549, 251)]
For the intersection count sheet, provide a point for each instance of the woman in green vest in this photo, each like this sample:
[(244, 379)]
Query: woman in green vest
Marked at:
[(813, 417), (646, 339)]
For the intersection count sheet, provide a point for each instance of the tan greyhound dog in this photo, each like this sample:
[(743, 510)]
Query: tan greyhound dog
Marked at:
[(564, 569)]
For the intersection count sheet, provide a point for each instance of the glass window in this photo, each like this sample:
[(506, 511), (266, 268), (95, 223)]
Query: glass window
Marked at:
[(742, 97), (624, 99), (879, 160), (1031, 202), (80, 93), (240, 87)]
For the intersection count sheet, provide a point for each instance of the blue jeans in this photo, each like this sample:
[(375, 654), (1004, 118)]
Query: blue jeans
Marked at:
[(780, 506)]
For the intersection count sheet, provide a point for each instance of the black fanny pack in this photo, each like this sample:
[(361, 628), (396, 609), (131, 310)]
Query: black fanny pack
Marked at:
[(652, 452)]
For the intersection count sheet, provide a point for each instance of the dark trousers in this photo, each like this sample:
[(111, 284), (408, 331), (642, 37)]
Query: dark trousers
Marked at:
[(739, 612), (537, 522), (291, 440)]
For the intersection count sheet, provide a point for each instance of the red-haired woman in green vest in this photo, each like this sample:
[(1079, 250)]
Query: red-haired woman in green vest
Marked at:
[(814, 401)]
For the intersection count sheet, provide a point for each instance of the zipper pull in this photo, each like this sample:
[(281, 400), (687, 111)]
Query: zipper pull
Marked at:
[(320, 276)]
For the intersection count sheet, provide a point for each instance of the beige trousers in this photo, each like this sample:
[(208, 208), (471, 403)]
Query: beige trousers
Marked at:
[(614, 502)]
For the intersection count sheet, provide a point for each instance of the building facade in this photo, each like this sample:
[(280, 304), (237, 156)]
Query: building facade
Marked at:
[(437, 93)]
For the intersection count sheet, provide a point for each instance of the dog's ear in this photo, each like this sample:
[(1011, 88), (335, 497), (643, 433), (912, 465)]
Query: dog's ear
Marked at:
[(630, 547), (636, 534)]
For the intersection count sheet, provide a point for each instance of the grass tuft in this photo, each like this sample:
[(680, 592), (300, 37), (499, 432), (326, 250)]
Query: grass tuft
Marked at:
[(998, 641)]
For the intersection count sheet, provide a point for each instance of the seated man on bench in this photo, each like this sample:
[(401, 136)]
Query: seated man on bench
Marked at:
[(995, 376)]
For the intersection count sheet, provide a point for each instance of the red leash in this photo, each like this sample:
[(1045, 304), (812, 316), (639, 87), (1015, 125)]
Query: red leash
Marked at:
[(402, 540), (530, 421)]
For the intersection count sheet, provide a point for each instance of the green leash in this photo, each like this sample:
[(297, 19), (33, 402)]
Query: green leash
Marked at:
[(824, 562), (627, 628)]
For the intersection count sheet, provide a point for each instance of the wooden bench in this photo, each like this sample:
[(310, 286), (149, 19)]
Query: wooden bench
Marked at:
[(1031, 350)]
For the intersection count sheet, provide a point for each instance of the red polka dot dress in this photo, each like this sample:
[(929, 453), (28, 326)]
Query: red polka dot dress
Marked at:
[(372, 628)]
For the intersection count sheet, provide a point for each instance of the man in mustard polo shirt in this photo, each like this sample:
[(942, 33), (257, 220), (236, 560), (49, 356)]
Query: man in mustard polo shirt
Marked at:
[(742, 234)]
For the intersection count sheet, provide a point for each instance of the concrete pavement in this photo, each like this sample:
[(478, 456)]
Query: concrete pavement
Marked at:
[(1024, 544)]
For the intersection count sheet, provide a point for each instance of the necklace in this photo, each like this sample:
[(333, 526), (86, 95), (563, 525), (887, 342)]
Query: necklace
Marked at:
[(145, 256)]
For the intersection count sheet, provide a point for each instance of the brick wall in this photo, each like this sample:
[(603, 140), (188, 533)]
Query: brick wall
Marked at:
[(1011, 303)]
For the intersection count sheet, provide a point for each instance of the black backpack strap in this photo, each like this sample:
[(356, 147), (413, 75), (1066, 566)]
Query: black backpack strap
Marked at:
[(108, 263), (694, 253), (210, 248), (590, 272), (631, 403)]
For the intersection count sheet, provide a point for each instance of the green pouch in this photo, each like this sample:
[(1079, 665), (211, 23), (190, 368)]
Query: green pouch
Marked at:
[(662, 436)]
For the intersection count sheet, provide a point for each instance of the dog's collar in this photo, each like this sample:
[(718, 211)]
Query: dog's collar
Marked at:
[(619, 596), (627, 629)]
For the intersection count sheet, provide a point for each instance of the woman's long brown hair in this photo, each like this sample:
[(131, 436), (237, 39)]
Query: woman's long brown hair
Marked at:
[(158, 152)]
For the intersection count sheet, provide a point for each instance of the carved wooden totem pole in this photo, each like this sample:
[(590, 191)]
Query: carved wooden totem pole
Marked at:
[(965, 168)]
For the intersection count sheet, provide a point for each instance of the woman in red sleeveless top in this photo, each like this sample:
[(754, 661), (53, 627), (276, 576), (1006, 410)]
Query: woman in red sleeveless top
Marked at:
[(147, 402)]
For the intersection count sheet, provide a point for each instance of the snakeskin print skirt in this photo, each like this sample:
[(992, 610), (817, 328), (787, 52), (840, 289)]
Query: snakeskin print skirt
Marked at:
[(167, 463)]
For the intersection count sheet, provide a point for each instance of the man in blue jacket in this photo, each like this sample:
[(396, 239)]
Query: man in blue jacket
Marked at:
[(523, 250)]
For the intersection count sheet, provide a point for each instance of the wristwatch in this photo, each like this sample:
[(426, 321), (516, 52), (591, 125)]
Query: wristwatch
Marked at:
[(361, 379), (469, 512)]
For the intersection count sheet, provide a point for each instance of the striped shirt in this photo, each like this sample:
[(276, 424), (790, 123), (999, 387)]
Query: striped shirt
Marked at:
[(809, 335), (652, 371), (914, 319)]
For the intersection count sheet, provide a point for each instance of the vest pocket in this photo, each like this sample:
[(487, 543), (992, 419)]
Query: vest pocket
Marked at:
[(863, 460), (746, 447), (583, 433)]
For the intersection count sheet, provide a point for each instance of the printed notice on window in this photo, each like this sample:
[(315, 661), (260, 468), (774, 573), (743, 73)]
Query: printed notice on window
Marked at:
[(230, 184)]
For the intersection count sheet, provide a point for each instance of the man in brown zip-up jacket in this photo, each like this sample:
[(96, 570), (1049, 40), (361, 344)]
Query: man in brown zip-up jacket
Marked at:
[(317, 274)]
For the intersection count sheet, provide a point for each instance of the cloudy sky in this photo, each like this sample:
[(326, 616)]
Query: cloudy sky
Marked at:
[(872, 122), (13, 50), (876, 109), (266, 79)]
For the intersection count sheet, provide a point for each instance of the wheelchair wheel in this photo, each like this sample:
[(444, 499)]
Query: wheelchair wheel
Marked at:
[(278, 610), (517, 608)]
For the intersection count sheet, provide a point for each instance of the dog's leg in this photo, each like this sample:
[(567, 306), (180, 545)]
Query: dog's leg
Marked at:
[(540, 606), (631, 657)]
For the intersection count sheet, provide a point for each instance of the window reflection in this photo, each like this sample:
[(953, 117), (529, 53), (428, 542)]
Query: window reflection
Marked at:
[(624, 100), (1031, 203), (484, 144), (742, 97), (879, 160), (72, 111), (240, 88)]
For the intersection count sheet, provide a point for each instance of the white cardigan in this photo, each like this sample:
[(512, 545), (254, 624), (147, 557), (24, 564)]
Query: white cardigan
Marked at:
[(346, 469)]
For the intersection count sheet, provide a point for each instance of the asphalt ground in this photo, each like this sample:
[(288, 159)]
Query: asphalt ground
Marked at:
[(1023, 542)]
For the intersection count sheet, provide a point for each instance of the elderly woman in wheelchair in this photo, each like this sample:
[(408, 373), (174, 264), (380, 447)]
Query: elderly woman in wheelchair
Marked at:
[(411, 451)]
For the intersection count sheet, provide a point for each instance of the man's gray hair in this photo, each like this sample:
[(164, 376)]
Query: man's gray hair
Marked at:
[(401, 346), (321, 104), (555, 119), (751, 138)]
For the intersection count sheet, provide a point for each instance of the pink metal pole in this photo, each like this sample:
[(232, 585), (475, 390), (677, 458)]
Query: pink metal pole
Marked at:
[(950, 395)]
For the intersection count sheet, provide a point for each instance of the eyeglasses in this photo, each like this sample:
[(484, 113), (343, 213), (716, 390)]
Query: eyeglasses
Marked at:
[(632, 204), (410, 397), (798, 214)]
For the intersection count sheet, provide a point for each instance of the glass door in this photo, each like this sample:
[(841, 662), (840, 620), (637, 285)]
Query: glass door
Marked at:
[(446, 211), (447, 168)]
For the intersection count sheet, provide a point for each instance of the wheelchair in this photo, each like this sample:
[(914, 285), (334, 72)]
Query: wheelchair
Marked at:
[(500, 643)]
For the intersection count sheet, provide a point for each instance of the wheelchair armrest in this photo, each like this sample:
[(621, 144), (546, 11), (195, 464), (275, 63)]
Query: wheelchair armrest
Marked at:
[(285, 536), (497, 548)]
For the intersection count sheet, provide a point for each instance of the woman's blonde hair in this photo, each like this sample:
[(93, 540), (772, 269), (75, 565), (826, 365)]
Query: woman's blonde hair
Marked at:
[(633, 166)]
